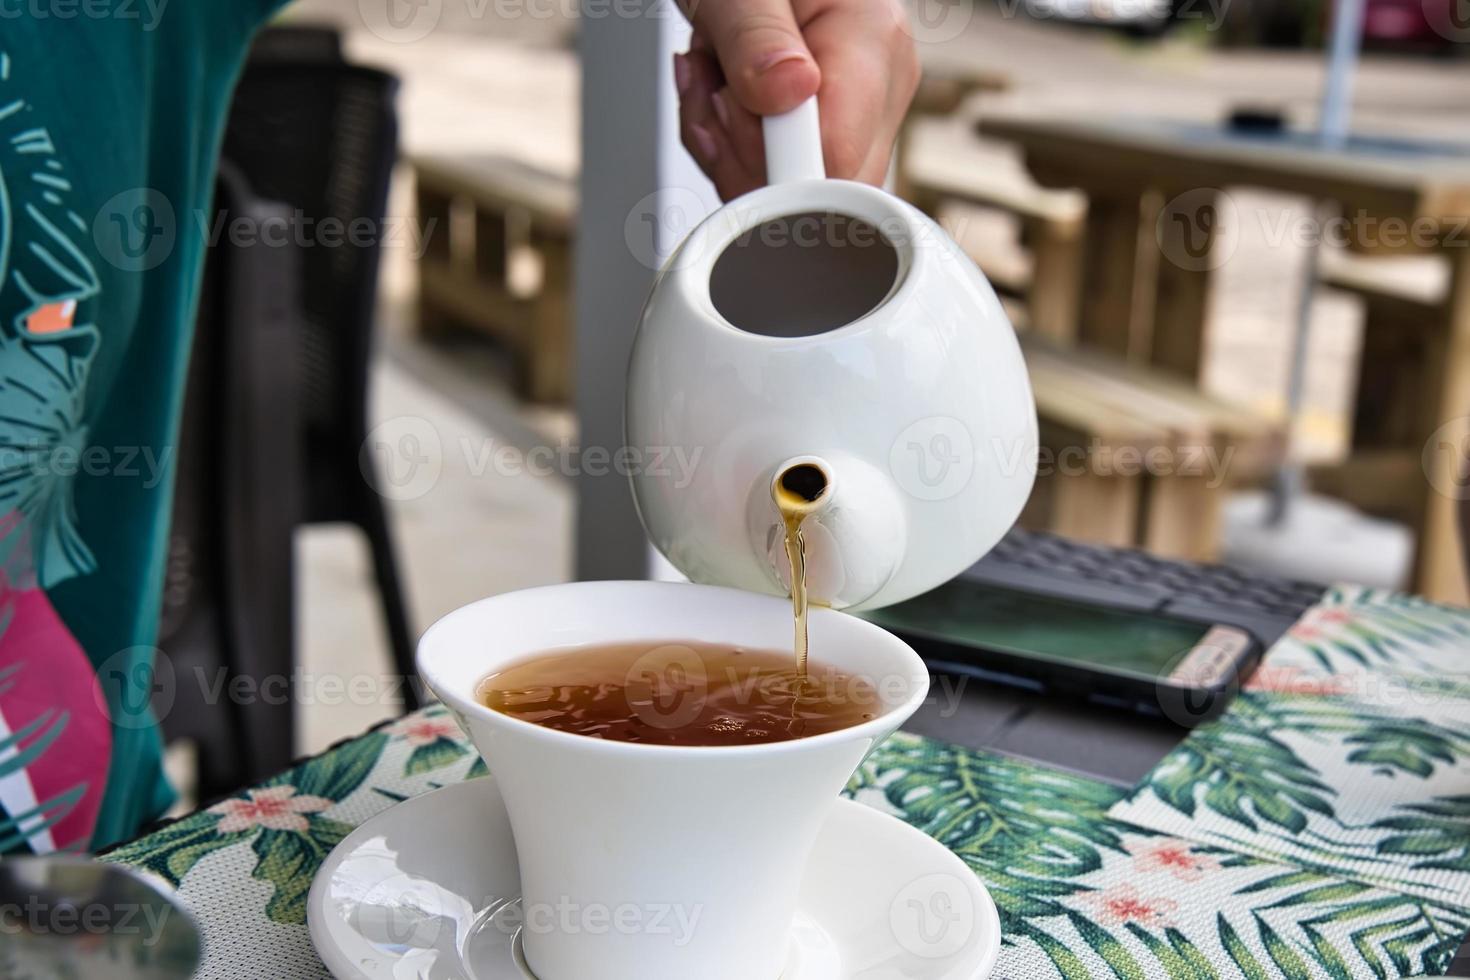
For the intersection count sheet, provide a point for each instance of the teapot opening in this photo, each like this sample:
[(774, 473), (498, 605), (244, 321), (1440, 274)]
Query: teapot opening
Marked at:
[(803, 483), (804, 274)]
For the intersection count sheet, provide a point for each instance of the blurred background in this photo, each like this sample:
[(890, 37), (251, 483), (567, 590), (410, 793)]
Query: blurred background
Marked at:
[(1248, 325)]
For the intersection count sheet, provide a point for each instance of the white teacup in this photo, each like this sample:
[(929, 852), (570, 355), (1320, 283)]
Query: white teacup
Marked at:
[(653, 862)]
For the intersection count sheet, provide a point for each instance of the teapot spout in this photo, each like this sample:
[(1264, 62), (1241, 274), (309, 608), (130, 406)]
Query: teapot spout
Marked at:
[(802, 487), (850, 519)]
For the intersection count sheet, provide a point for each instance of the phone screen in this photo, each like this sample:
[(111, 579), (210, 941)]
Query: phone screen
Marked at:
[(1020, 623)]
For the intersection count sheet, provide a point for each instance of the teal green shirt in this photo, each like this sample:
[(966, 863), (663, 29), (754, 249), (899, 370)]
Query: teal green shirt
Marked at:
[(111, 113)]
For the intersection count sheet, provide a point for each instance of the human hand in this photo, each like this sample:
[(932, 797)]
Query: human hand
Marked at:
[(754, 58)]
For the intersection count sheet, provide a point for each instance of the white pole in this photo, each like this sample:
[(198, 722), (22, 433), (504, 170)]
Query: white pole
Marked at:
[(1332, 132), (1342, 66), (623, 79), (640, 193)]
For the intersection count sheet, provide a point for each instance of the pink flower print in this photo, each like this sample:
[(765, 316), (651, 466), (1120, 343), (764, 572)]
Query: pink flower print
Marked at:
[(1317, 624), (274, 808), (1122, 903), (421, 730), (1293, 680), (1173, 856)]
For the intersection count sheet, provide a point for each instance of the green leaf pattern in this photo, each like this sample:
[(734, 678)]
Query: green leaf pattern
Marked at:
[(18, 749), (1349, 751), (1320, 829), (1083, 894), (436, 739)]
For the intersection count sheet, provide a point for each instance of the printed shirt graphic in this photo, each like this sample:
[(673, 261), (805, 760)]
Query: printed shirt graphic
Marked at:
[(109, 126), (55, 738)]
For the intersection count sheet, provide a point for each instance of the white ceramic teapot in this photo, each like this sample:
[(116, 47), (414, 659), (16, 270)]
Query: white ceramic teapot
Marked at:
[(826, 334)]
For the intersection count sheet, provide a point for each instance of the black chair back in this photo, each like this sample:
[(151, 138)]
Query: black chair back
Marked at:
[(322, 137), (297, 42), (228, 606)]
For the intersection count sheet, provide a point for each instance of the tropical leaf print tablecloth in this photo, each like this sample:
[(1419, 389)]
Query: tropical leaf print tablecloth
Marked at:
[(1083, 893), (1349, 752), (1320, 829)]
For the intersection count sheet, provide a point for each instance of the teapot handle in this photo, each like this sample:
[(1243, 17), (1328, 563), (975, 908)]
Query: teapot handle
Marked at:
[(794, 145)]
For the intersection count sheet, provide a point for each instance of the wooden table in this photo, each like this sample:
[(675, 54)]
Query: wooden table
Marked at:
[(1154, 211), (1099, 411), (942, 92), (483, 209), (943, 89)]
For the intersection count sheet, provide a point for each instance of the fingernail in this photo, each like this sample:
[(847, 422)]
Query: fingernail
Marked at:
[(722, 111), (703, 142), (769, 61), (681, 73)]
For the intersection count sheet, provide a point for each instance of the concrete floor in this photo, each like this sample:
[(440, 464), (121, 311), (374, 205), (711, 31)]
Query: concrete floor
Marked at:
[(464, 531), (481, 83)]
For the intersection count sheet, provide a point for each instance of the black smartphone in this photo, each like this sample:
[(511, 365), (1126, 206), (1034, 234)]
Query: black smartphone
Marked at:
[(1186, 671)]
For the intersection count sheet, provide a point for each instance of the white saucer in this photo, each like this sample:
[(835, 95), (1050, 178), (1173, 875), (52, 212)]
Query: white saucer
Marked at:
[(429, 890)]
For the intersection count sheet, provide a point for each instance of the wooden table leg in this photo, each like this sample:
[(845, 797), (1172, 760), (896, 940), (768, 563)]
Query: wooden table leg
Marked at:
[(1439, 570), (1102, 508), (1182, 517), (434, 208), (1183, 232), (1380, 480), (1056, 268), (548, 353), (1109, 314)]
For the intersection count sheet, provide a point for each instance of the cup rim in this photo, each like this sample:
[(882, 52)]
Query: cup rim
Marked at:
[(881, 725)]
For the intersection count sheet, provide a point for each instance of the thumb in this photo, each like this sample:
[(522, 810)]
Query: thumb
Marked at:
[(765, 61)]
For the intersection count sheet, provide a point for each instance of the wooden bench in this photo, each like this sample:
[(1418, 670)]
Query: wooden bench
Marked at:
[(1051, 231), (1051, 221), (1133, 457), (1403, 303), (941, 92), (499, 260), (1403, 374)]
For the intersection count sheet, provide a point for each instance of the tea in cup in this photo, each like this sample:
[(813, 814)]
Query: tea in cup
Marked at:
[(676, 850)]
